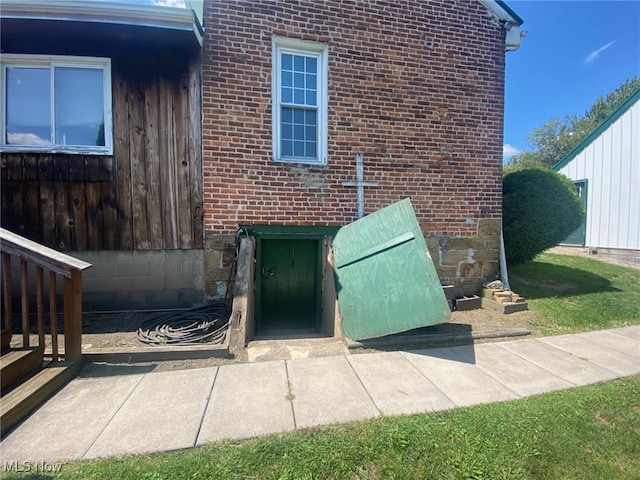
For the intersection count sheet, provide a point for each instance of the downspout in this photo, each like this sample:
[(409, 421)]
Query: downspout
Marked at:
[(503, 263)]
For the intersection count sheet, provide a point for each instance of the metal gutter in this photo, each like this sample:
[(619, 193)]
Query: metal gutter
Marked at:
[(510, 11), (169, 18), (508, 20)]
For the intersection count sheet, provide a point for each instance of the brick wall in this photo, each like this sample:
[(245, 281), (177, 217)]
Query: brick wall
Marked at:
[(416, 85)]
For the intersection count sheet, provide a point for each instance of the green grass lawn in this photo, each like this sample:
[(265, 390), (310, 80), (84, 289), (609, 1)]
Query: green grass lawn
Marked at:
[(583, 433), (571, 294)]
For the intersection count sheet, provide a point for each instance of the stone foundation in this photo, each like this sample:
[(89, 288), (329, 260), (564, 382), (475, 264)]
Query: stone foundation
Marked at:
[(219, 253), (464, 262), (468, 262)]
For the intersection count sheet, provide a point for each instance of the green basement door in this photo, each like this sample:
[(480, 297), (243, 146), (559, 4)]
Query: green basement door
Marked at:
[(289, 285), (386, 281)]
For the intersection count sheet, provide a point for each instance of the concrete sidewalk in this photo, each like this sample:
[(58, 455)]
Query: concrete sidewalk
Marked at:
[(145, 412)]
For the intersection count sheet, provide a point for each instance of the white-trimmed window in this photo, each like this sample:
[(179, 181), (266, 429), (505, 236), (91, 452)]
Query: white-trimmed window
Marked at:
[(56, 104), (299, 101)]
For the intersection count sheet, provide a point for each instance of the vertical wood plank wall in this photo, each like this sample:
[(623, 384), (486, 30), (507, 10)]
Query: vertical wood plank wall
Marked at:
[(147, 195)]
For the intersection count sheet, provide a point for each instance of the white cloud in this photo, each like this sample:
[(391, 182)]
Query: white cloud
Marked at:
[(593, 56), (169, 3), (508, 151), (26, 139)]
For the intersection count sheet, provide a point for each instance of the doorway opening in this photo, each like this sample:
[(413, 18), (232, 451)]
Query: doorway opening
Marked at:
[(289, 300), (291, 277), (579, 236)]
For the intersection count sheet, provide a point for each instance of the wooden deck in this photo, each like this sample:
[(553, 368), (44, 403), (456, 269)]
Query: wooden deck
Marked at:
[(29, 374)]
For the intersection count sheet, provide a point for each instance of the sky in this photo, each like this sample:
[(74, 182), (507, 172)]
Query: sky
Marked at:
[(574, 52)]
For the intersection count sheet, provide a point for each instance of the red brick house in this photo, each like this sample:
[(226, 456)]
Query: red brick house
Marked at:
[(187, 134), (294, 90)]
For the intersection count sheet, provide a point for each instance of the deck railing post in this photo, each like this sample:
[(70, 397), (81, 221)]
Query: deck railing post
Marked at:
[(8, 314), (73, 316)]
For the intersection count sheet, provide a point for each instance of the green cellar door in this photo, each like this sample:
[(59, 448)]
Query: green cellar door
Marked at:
[(288, 284)]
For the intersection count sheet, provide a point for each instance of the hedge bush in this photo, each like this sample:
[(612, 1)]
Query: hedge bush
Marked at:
[(540, 208)]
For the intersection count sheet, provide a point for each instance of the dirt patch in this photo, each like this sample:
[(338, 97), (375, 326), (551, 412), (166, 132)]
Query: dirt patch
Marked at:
[(118, 330)]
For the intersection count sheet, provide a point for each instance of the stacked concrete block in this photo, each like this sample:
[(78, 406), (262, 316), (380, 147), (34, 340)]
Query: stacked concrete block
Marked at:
[(496, 296)]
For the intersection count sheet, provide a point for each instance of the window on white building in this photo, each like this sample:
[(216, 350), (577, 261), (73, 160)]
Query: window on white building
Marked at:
[(56, 104), (299, 101)]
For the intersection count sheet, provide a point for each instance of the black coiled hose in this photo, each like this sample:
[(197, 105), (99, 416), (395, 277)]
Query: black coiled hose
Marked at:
[(205, 324)]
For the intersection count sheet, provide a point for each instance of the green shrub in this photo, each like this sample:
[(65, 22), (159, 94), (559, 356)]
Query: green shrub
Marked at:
[(540, 208)]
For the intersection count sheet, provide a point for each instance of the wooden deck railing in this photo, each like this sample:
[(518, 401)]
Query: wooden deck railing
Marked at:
[(47, 264)]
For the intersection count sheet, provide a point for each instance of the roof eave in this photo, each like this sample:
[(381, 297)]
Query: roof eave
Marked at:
[(508, 20), (153, 16), (606, 123)]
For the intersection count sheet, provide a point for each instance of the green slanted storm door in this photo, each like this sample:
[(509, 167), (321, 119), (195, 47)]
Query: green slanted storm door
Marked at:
[(385, 279)]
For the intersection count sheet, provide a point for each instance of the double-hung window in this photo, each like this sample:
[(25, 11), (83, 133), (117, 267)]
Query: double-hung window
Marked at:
[(299, 101), (56, 104)]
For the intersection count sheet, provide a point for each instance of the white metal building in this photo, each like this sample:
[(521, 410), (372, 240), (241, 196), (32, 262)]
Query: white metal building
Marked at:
[(605, 167)]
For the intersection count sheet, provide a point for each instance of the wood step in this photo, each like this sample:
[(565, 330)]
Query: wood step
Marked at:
[(17, 365), (25, 398)]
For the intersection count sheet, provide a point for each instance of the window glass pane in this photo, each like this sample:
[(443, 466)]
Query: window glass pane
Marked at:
[(312, 65), (310, 133), (298, 80), (287, 95), (312, 98), (298, 149), (28, 106), (311, 81), (298, 63), (310, 117), (287, 147), (287, 62), (287, 131), (298, 116), (310, 149), (79, 103), (287, 115), (298, 96), (287, 79)]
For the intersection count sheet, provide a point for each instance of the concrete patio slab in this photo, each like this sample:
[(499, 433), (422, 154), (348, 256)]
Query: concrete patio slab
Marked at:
[(327, 390), (514, 372), (248, 400), (632, 331), (620, 343), (289, 349), (66, 426), (594, 352), (559, 362), (396, 386), (164, 412), (462, 382)]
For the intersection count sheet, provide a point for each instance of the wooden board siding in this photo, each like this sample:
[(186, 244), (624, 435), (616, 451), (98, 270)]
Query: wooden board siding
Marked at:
[(147, 195)]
